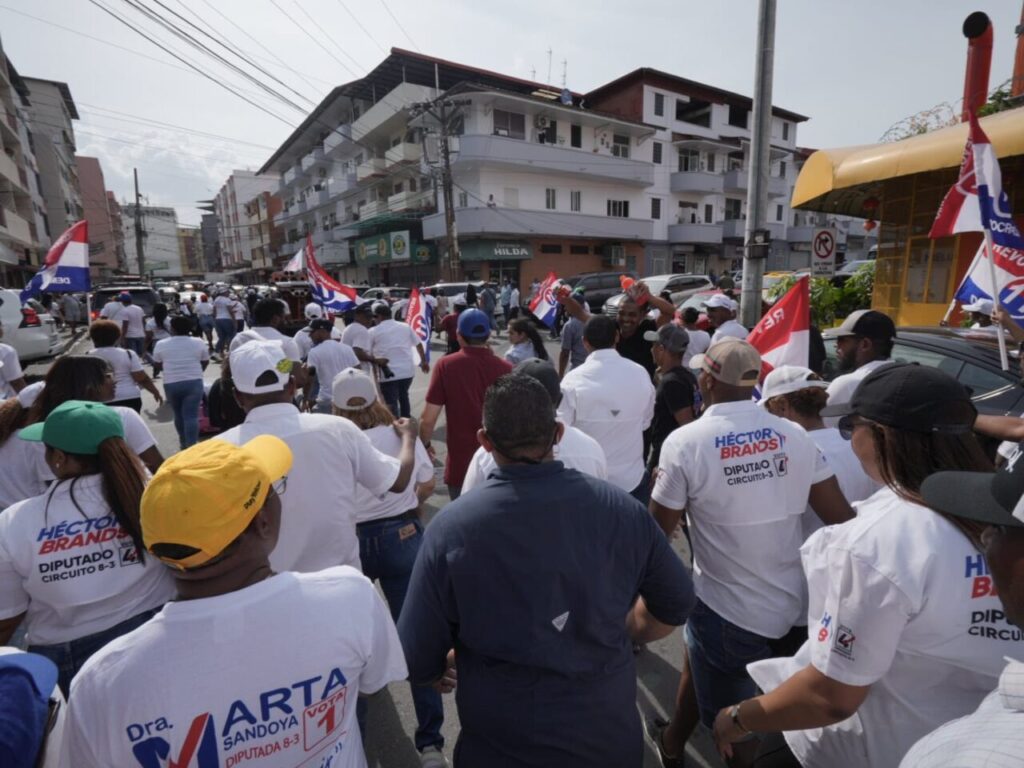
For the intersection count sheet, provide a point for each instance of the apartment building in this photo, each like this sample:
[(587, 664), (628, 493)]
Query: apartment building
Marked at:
[(209, 230), (162, 257), (117, 228), (265, 236), (104, 256), (235, 233), (51, 112), (190, 252)]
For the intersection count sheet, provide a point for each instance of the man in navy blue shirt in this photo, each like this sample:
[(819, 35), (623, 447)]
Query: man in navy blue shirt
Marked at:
[(541, 579)]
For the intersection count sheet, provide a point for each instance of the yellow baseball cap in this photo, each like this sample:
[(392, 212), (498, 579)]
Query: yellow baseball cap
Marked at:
[(205, 496)]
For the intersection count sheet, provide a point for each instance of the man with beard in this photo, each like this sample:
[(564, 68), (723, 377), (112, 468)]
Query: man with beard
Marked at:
[(863, 344)]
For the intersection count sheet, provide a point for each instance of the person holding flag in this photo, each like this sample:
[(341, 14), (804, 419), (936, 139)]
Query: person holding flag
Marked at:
[(327, 292), (66, 266)]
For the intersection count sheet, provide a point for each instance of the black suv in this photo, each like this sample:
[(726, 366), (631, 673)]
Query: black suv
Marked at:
[(598, 287)]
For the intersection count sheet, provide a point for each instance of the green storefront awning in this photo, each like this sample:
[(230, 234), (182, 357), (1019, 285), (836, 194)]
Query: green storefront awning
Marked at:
[(495, 250)]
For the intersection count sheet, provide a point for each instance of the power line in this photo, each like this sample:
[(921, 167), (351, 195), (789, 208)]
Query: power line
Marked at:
[(359, 24), (331, 39), (304, 31), (397, 22)]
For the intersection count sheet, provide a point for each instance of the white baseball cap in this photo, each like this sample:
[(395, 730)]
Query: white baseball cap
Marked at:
[(720, 300), (789, 378), (28, 395), (313, 311), (984, 306), (350, 385), (259, 367)]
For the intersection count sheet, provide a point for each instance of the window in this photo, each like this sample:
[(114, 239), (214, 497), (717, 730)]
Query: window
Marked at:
[(656, 208), (548, 135), (689, 160), (618, 209), (579, 250), (694, 111), (511, 124), (574, 200), (659, 104), (733, 209), (782, 169), (778, 213), (709, 213), (549, 199), (463, 199), (785, 131), (711, 162), (550, 248), (620, 145), (576, 136), (738, 116), (657, 152)]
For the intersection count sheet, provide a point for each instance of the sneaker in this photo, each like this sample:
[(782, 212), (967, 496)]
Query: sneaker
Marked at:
[(433, 757), (653, 729)]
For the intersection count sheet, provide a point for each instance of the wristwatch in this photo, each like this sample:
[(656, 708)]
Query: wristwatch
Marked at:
[(734, 715)]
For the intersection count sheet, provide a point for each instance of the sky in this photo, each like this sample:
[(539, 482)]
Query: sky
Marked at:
[(854, 68)]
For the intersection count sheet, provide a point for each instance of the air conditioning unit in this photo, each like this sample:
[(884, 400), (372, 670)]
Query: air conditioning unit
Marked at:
[(542, 121)]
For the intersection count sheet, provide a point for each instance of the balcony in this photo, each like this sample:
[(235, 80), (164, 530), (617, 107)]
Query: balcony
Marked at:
[(341, 183), (15, 227), (372, 167), (320, 196), (341, 135), (701, 182), (736, 181), (289, 249), (312, 158), (695, 233), (736, 229), (403, 154), (402, 201), (372, 208), (390, 109), (513, 154), (290, 175), (800, 234), (515, 221), (301, 205), (9, 170)]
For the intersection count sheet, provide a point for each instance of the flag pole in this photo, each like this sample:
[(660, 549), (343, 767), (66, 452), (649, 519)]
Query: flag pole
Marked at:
[(1000, 331)]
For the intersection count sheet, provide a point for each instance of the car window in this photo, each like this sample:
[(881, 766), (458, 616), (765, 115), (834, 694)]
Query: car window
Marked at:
[(981, 380), (609, 281), (904, 353)]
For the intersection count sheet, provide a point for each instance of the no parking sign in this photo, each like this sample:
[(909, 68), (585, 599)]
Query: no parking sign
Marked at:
[(823, 253)]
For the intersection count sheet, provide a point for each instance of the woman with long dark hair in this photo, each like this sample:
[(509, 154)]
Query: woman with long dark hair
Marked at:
[(895, 608), (526, 342), (72, 562), (72, 377)]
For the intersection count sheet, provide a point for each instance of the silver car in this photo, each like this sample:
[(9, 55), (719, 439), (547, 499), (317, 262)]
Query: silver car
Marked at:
[(680, 286), (28, 328)]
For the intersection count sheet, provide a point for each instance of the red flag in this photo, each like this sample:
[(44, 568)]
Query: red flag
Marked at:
[(783, 334)]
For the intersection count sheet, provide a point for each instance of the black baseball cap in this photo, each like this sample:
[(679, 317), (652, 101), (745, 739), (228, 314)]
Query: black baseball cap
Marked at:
[(321, 325), (544, 372), (993, 498), (913, 397), (868, 323)]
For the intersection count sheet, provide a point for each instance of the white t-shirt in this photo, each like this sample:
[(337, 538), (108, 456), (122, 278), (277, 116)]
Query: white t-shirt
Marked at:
[(328, 359), (73, 572), (902, 601), (371, 507), (699, 343), (842, 387), (135, 317), (226, 675), (730, 329), (304, 343), (318, 509), (182, 358), (124, 363), (10, 370), (853, 480), (743, 476), (222, 308), (159, 333), (241, 311), (357, 335), (395, 341), (267, 332), (577, 450), (111, 310), (203, 309), (611, 399)]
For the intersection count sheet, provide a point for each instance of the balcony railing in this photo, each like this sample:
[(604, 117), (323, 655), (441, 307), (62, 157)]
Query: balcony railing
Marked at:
[(695, 233), (700, 182), (736, 181), (342, 134), (372, 167), (313, 158), (736, 229), (401, 201), (373, 208), (403, 154), (505, 221)]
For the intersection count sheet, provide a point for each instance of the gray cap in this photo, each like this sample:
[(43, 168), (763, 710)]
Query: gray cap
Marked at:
[(672, 337), (544, 372)]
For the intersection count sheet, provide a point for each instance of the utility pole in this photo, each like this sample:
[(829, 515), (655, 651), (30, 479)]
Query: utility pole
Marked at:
[(445, 112), (139, 233), (757, 242)]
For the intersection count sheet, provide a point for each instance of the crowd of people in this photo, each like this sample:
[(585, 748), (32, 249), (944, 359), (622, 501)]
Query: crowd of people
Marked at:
[(844, 564)]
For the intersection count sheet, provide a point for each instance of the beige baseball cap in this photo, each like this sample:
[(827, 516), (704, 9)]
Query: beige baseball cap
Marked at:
[(730, 361)]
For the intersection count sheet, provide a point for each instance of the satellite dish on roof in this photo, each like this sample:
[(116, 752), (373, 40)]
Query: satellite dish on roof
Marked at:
[(566, 97)]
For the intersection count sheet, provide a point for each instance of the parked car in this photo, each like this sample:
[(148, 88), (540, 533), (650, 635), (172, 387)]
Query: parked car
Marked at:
[(696, 301), (680, 286), (848, 270), (142, 295), (392, 294), (598, 287), (969, 355), (30, 330)]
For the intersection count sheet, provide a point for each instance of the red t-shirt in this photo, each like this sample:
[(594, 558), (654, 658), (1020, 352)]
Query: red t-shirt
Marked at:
[(458, 384)]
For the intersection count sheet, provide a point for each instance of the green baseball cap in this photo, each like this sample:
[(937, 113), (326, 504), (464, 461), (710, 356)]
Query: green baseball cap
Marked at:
[(77, 426)]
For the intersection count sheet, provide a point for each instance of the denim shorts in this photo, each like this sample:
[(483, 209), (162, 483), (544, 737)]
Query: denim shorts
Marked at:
[(719, 652)]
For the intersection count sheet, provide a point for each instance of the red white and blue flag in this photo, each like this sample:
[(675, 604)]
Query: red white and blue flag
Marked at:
[(544, 306), (66, 267), (326, 291), (783, 335), (418, 316)]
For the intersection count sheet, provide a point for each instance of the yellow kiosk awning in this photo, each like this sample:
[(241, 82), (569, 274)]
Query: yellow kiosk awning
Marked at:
[(840, 180)]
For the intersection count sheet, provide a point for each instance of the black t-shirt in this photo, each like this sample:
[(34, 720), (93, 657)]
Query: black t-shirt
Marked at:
[(637, 348), (675, 392)]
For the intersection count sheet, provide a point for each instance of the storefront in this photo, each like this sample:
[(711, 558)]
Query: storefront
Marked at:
[(900, 185), (494, 260), (393, 258)]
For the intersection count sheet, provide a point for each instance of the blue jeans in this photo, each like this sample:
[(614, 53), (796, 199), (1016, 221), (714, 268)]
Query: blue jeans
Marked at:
[(184, 398), (642, 492), (396, 394), (226, 330), (387, 549), (136, 344), (69, 657)]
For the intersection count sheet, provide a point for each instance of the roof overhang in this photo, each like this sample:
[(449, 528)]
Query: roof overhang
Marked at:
[(840, 180)]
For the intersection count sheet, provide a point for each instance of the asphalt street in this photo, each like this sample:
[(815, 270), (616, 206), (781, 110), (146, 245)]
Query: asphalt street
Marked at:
[(392, 719)]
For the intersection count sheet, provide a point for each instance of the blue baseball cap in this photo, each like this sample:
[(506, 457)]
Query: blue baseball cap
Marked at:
[(473, 324), (29, 707)]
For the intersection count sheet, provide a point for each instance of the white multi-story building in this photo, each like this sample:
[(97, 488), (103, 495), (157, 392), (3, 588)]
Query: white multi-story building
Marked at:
[(51, 110), (162, 255), (237, 239)]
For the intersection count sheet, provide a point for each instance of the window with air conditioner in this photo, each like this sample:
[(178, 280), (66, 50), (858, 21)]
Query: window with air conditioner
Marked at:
[(510, 124), (620, 145), (618, 209), (575, 200)]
